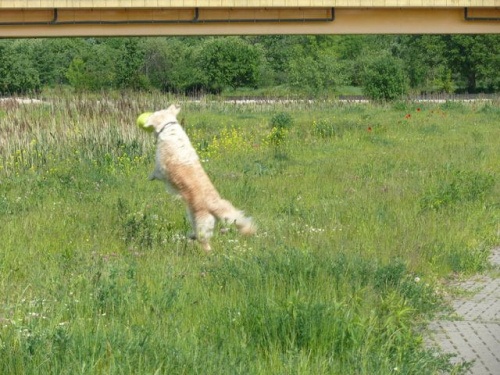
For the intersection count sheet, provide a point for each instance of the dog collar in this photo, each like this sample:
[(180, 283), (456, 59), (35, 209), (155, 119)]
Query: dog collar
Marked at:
[(166, 126)]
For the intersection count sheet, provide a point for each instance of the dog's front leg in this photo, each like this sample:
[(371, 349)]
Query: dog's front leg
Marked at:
[(204, 224)]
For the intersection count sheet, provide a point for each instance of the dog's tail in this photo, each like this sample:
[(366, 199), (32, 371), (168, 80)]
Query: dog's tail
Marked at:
[(225, 212)]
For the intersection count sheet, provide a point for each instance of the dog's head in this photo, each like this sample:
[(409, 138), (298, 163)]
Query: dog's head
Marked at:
[(160, 118)]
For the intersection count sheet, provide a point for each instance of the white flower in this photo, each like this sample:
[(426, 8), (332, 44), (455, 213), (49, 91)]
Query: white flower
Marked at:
[(417, 279)]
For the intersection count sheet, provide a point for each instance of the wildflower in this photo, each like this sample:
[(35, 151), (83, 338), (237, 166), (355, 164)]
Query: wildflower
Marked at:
[(417, 279), (407, 116), (418, 109), (369, 129)]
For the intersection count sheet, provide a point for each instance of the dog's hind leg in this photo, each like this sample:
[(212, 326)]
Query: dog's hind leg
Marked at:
[(204, 224), (192, 235), (228, 214), (153, 175)]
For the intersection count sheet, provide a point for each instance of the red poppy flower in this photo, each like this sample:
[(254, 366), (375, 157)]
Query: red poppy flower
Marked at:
[(418, 109), (408, 116), (369, 129)]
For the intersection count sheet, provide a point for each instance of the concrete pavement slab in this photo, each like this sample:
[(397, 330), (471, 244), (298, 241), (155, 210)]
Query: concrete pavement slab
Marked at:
[(475, 334)]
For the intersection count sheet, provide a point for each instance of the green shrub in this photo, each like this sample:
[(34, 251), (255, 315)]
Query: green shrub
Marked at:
[(229, 62), (17, 75), (280, 124), (282, 120), (385, 79)]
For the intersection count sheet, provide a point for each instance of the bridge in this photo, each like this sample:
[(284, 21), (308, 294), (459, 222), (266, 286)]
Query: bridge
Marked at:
[(56, 18)]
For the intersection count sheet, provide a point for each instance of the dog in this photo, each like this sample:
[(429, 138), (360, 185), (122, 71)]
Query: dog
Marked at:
[(178, 165)]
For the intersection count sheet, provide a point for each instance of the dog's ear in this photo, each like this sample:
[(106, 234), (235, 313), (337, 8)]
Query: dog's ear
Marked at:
[(174, 109)]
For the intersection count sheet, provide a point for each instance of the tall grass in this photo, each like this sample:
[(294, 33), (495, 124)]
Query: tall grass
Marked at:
[(362, 210)]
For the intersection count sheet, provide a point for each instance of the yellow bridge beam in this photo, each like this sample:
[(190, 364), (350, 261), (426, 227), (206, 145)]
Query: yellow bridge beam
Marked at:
[(30, 21)]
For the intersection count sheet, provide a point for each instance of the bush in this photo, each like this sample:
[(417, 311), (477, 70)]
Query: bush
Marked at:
[(314, 74), (385, 79), (281, 120), (169, 65), (94, 70), (280, 126), (229, 62)]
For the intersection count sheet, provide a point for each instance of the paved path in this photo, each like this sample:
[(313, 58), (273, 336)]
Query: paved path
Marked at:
[(475, 333)]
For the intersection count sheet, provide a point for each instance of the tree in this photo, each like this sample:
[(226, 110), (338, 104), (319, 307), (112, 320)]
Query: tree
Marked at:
[(316, 73), (351, 49), (170, 65), (17, 72), (475, 59), (130, 57), (76, 74), (94, 70), (229, 62), (52, 58), (425, 62), (385, 79), (278, 51)]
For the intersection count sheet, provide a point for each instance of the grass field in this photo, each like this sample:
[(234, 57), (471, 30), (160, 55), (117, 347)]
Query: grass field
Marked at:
[(364, 212)]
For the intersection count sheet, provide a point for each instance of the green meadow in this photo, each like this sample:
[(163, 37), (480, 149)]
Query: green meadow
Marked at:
[(364, 211)]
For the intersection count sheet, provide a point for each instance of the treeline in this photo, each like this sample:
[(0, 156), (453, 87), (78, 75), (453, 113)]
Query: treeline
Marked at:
[(385, 67)]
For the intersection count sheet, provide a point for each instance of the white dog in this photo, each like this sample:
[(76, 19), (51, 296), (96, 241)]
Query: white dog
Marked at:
[(178, 165)]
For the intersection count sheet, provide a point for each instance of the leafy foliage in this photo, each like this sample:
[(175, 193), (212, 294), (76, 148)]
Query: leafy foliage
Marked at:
[(169, 65), (17, 73), (385, 79), (318, 65), (95, 70), (229, 62)]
